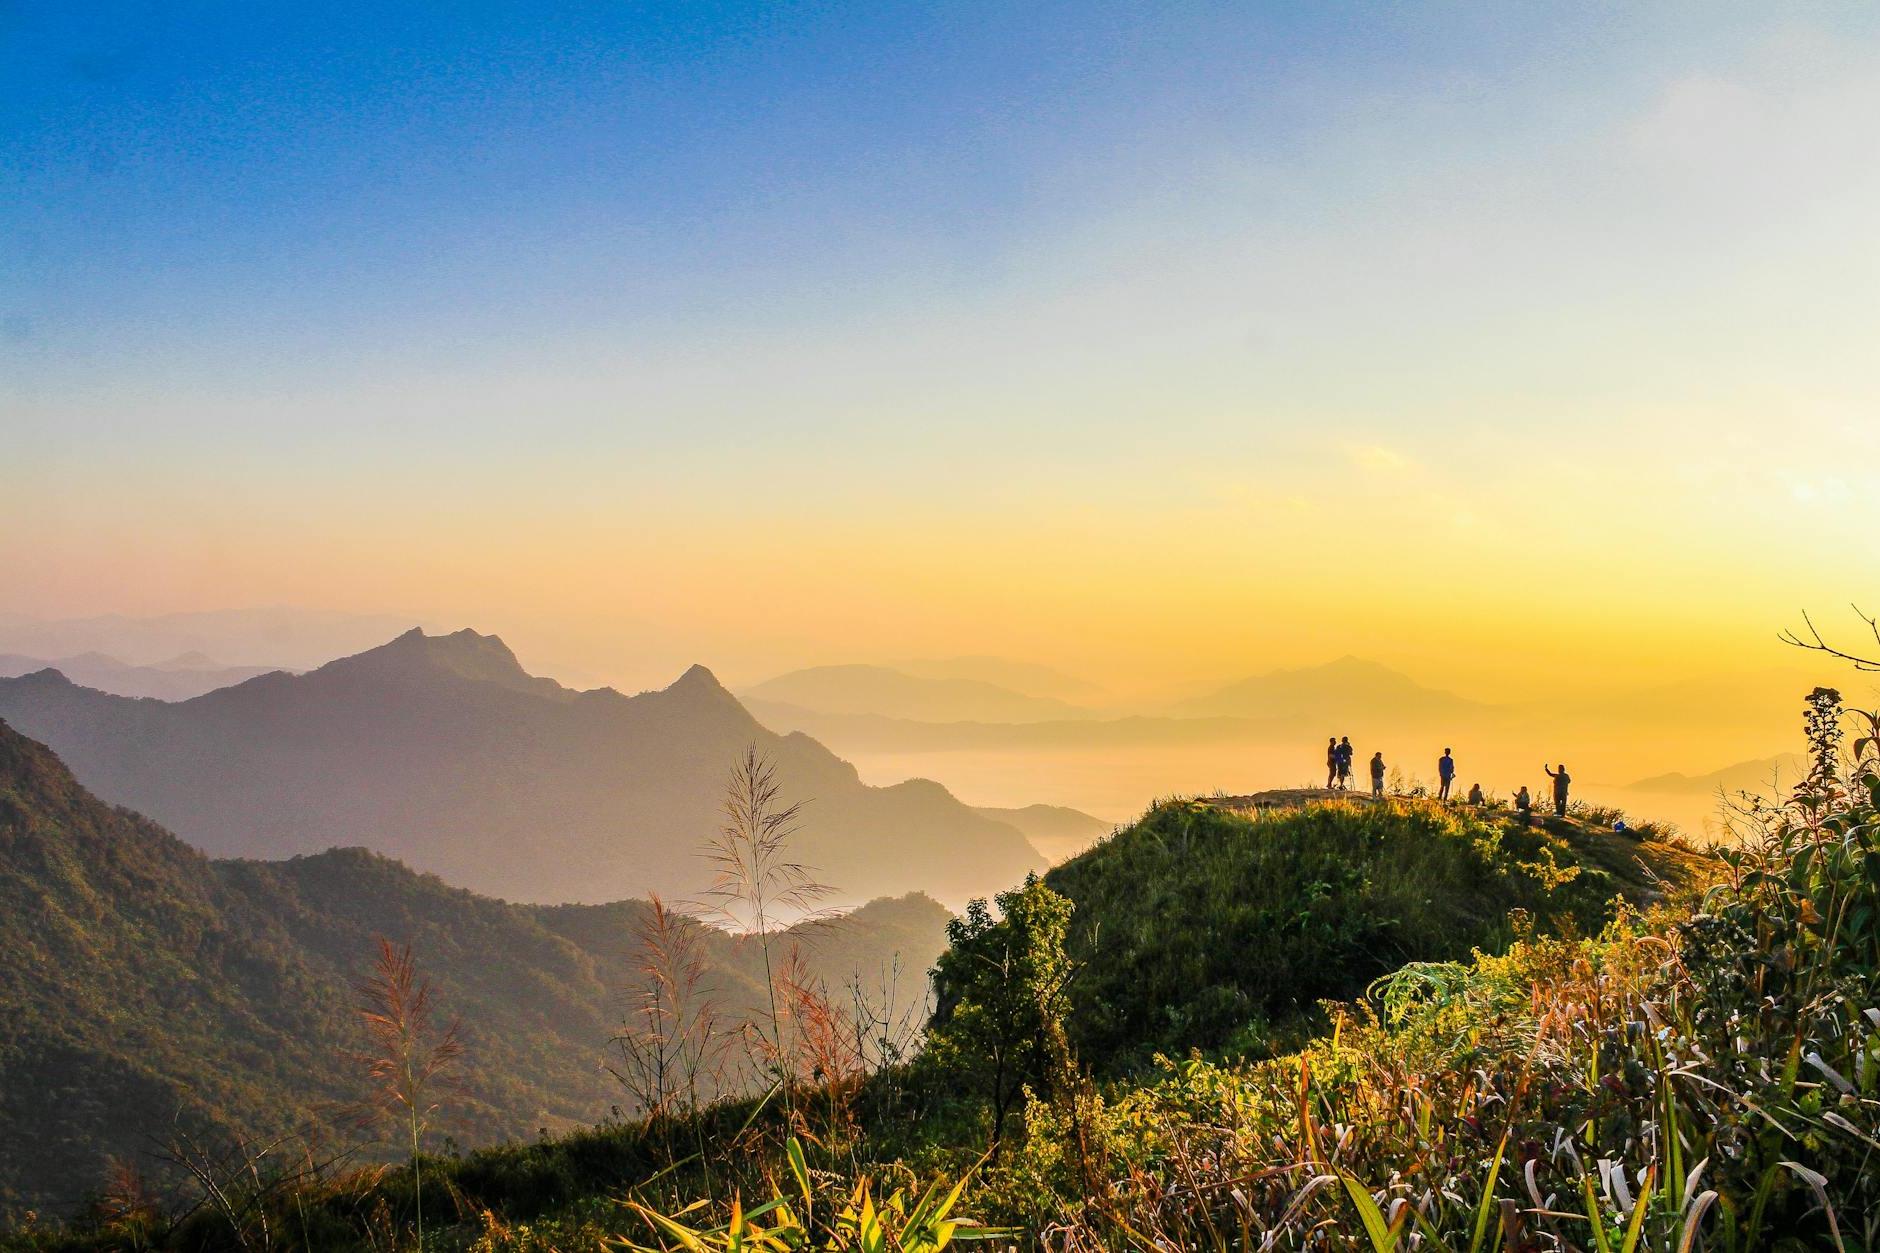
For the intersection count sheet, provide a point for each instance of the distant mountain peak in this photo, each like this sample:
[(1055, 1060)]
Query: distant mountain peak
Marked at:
[(698, 674), (464, 645), (50, 675), (467, 654), (195, 659), (698, 682), (1337, 688)]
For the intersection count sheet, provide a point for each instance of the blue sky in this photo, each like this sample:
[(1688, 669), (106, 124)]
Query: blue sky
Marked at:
[(299, 183), (956, 318)]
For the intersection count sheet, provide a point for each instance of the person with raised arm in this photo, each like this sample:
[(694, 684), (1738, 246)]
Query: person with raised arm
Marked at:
[(1561, 779)]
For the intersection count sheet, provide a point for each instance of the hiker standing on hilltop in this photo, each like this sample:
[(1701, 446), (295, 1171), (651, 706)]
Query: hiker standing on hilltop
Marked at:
[(1445, 774), (1561, 780), (1345, 752), (1377, 774), (1331, 762)]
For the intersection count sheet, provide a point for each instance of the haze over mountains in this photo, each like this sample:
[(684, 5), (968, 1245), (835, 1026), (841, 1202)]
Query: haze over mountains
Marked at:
[(277, 637), (179, 678), (877, 698), (1054, 830), (1008, 733), (1269, 729), (886, 691), (149, 988), (1763, 776), (444, 752), (1028, 678), (1336, 692)]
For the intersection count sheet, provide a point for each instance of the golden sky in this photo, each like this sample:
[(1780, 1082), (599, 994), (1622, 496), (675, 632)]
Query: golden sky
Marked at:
[(1531, 354)]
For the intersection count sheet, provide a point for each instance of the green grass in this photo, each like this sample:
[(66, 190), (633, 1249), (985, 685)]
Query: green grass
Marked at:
[(1195, 929), (1205, 928)]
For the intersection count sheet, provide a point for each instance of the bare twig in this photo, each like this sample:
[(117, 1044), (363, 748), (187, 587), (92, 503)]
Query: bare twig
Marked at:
[(1816, 643)]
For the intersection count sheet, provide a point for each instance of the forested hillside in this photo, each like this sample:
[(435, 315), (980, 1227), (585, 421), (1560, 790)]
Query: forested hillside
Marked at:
[(152, 990), (1204, 927)]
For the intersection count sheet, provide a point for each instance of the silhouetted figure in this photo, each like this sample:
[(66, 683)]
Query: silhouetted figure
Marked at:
[(1345, 752), (1377, 774), (1524, 806), (1445, 774), (1475, 795), (1561, 780), (1331, 762)]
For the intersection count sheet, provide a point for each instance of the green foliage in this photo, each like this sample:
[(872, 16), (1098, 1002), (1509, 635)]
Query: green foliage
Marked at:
[(152, 994), (1682, 1080), (806, 1216), (1000, 998), (1530, 1062), (1203, 928)]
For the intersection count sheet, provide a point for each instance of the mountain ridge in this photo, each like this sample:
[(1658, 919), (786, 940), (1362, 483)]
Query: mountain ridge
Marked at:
[(1341, 688), (167, 681), (443, 751), (151, 988)]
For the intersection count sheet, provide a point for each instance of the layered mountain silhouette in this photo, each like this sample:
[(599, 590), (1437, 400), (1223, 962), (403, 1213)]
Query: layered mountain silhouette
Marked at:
[(1281, 706), (1054, 830), (1347, 688), (149, 990), (1025, 677), (887, 692), (279, 636), (180, 678), (1763, 776), (444, 752)]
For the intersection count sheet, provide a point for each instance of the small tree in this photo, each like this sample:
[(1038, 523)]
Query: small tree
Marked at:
[(411, 1061), (1000, 998)]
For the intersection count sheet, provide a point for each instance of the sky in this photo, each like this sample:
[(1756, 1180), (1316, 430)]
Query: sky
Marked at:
[(1527, 347)]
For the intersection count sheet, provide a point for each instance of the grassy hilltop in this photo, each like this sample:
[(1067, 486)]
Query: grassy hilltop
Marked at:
[(1201, 927)]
